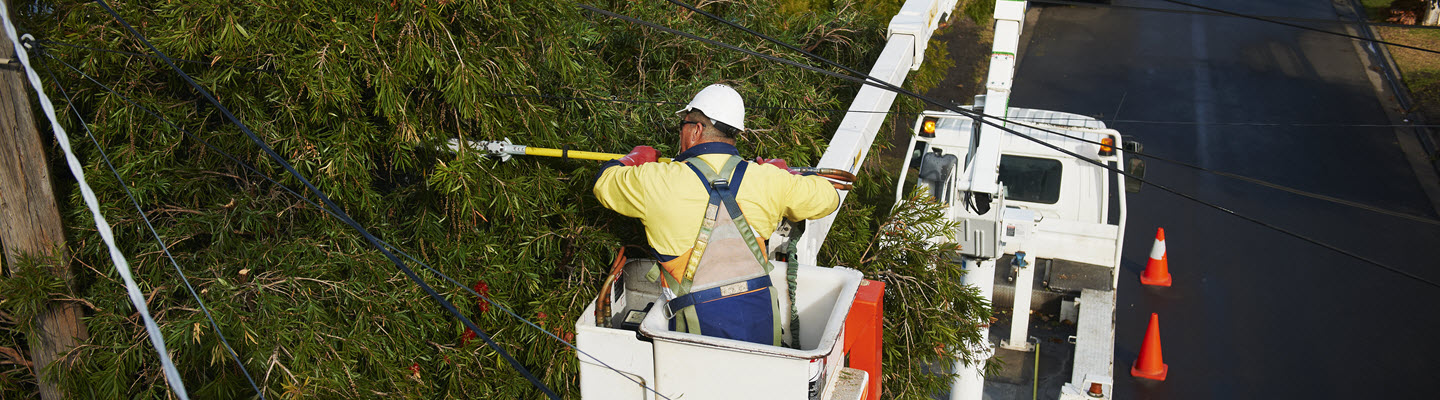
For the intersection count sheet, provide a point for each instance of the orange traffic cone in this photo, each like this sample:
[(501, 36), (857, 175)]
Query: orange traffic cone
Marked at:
[(1151, 364), (1157, 271)]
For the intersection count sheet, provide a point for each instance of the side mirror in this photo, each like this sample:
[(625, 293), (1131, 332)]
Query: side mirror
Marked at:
[(1136, 168), (1133, 147)]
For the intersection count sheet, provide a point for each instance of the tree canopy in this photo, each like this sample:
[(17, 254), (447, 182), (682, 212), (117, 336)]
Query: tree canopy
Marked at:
[(359, 97)]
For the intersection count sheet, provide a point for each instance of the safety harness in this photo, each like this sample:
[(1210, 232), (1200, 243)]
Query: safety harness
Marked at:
[(725, 290)]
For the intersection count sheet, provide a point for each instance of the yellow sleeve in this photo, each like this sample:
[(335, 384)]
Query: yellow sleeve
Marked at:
[(809, 197), (798, 197), (621, 188)]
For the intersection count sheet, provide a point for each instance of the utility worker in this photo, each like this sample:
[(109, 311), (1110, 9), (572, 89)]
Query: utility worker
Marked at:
[(711, 254)]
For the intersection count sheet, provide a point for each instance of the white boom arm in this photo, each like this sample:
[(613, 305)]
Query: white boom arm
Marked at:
[(909, 34), (982, 173)]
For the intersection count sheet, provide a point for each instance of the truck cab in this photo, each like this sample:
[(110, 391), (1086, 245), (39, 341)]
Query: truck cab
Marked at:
[(1050, 236)]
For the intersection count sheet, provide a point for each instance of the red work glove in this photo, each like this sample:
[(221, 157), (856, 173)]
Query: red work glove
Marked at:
[(639, 155), (778, 162)]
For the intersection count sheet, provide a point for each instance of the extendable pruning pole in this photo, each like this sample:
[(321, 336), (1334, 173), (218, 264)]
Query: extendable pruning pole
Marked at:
[(504, 150)]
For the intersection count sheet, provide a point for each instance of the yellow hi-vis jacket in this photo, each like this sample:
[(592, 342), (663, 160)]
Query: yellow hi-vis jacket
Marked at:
[(670, 199)]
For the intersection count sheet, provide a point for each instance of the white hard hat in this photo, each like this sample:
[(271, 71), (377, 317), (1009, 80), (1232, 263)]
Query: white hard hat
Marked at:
[(721, 103)]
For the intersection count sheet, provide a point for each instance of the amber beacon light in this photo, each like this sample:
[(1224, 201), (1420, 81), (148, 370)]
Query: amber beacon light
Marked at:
[(927, 128), (1107, 146)]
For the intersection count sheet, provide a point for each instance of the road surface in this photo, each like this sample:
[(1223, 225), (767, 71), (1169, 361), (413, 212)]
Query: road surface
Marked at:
[(1253, 313)]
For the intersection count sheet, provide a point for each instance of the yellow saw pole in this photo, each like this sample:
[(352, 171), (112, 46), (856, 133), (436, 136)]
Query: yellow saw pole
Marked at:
[(576, 154), (843, 180), (504, 150)]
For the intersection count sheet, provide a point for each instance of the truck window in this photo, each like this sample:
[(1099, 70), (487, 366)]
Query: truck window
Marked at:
[(1036, 180)]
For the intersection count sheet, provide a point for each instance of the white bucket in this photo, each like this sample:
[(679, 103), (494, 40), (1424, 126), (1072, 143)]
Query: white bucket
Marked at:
[(695, 367)]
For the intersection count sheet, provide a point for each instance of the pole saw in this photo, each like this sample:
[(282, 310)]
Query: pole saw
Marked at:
[(504, 150)]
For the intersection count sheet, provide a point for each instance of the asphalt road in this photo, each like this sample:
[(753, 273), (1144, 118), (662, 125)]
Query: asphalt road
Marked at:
[(1253, 313)]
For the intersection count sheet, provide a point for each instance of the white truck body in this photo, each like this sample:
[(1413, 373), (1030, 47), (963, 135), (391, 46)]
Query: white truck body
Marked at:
[(1051, 206)]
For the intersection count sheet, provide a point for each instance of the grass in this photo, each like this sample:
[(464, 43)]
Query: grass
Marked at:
[(1377, 9), (980, 11), (1421, 70)]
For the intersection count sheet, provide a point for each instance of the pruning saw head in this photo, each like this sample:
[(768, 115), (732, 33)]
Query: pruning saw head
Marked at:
[(501, 149)]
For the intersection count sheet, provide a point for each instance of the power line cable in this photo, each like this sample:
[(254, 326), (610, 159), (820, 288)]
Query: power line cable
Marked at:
[(1065, 121), (1247, 179), (989, 120), (320, 207), (500, 94), (713, 42), (122, 267), (642, 101), (1276, 186), (837, 110), (1193, 12), (1137, 153), (70, 104), (340, 213), (1276, 124), (1297, 26)]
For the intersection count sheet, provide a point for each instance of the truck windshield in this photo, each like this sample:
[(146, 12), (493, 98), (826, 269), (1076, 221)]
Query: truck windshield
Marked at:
[(1036, 180)]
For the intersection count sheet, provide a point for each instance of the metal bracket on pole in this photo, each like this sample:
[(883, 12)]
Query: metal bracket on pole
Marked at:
[(502, 149)]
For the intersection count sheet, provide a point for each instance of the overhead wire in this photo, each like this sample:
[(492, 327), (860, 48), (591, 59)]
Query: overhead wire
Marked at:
[(340, 213), (1279, 124), (1267, 18), (1137, 153), (1247, 179), (328, 211), (717, 43), (1243, 178), (1298, 26), (501, 94), (494, 94), (1025, 122), (1134, 152), (990, 120), (1216, 14), (1273, 124), (70, 104), (679, 103)]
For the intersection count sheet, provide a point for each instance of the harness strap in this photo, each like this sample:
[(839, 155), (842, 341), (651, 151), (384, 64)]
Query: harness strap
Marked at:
[(745, 231), (720, 191), (715, 293), (702, 238)]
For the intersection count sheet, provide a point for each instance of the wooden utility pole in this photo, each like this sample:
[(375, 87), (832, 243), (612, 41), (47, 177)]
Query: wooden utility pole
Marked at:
[(29, 221)]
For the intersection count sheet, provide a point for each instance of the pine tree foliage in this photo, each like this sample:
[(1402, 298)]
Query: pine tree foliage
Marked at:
[(358, 97)]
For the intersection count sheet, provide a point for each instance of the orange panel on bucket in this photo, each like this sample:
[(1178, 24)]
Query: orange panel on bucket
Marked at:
[(865, 334)]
